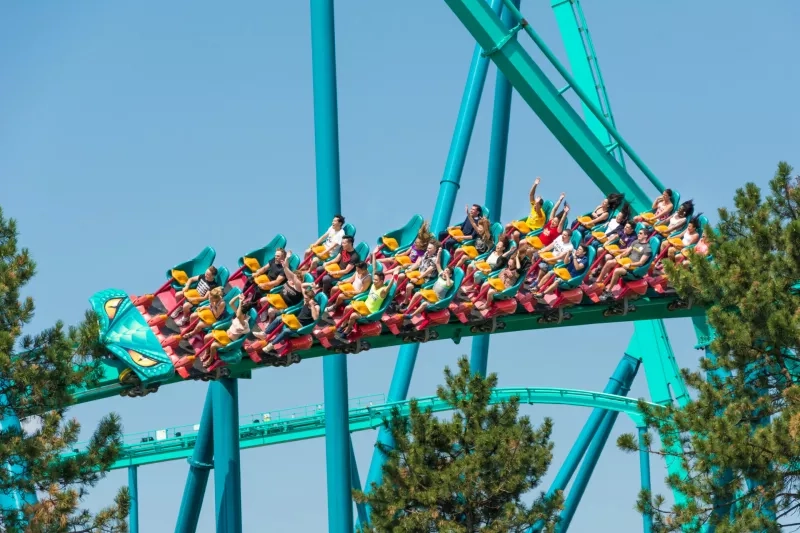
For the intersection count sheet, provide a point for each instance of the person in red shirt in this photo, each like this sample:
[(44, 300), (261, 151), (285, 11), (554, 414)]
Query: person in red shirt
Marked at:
[(554, 227)]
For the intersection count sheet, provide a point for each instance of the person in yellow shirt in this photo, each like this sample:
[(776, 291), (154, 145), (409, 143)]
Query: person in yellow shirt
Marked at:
[(537, 217)]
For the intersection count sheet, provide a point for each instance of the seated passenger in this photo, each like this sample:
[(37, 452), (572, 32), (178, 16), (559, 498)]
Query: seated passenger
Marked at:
[(554, 226), (377, 294), (517, 266), (495, 261), (662, 207), (420, 301), (602, 211), (424, 269), (339, 265), (620, 240), (677, 220), (240, 326), (467, 228), (482, 244), (701, 249), (537, 217), (291, 292), (328, 244), (412, 253), (274, 271), (574, 264), (360, 284), (308, 313), (205, 283), (215, 304), (686, 238), (556, 251), (631, 258), (614, 226)]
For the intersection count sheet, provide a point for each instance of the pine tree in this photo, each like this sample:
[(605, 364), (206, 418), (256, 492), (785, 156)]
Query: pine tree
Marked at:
[(744, 423), (466, 474), (37, 373)]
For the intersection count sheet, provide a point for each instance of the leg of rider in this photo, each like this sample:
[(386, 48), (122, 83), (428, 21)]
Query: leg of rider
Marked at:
[(420, 309), (618, 273)]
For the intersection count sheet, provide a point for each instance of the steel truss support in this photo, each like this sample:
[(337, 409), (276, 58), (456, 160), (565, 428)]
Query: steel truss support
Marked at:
[(227, 473), (495, 179), (199, 467), (448, 189), (619, 383), (355, 483), (334, 367), (133, 491)]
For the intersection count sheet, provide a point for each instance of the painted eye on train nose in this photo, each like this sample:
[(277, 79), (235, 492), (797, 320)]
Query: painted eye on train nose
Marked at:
[(141, 360), (111, 307)]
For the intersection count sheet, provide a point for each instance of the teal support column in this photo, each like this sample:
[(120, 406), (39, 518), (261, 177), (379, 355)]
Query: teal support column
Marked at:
[(14, 500), (448, 189), (334, 367), (133, 490), (624, 374), (199, 467), (590, 461), (644, 475), (227, 474), (355, 483), (495, 180)]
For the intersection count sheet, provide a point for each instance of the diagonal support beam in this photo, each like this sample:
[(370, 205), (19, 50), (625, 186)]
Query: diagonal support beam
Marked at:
[(549, 105)]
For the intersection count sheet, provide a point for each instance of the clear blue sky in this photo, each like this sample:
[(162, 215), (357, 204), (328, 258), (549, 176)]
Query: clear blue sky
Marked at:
[(115, 117)]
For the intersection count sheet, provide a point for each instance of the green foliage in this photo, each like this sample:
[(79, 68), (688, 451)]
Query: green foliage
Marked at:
[(36, 375), (745, 421), (465, 474)]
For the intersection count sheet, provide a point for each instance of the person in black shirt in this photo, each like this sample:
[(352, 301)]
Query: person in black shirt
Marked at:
[(346, 260), (292, 290), (205, 284), (274, 271), (475, 212), (308, 314)]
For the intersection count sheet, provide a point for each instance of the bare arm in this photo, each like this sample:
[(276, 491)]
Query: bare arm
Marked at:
[(555, 207), (532, 194), (314, 308)]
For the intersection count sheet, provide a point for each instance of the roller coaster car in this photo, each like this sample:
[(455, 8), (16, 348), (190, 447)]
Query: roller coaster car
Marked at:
[(300, 338), (158, 310), (344, 284), (252, 261), (126, 335), (368, 325), (632, 285), (437, 313), (177, 275), (399, 240), (362, 249), (568, 293), (503, 303)]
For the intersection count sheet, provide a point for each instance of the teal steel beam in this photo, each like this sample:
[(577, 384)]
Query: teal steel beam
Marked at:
[(133, 491), (646, 309), (258, 433), (644, 476), (355, 483), (550, 106), (334, 369), (200, 463), (495, 180), (227, 472)]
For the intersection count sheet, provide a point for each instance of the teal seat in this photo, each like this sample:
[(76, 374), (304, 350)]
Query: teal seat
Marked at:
[(641, 271), (230, 312), (458, 278), (363, 253), (294, 262), (577, 280), (404, 236), (382, 309), (509, 292), (349, 229), (322, 301), (445, 261), (265, 254), (547, 207), (497, 231), (194, 267), (232, 353)]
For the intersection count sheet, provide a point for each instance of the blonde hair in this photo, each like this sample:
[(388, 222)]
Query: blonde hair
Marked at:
[(216, 293)]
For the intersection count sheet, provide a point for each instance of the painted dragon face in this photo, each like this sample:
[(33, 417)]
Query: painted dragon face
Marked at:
[(125, 333)]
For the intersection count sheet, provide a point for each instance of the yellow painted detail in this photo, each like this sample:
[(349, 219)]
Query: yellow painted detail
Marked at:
[(251, 263), (180, 276), (291, 321), (429, 295), (276, 301), (390, 243)]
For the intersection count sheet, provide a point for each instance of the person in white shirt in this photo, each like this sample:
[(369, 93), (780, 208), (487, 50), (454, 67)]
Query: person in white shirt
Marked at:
[(327, 245), (559, 250)]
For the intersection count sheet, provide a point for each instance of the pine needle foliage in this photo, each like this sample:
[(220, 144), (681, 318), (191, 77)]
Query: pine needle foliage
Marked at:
[(37, 373), (465, 474)]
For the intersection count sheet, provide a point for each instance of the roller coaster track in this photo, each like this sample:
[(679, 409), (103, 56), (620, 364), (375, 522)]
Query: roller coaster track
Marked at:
[(109, 384), (268, 428)]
